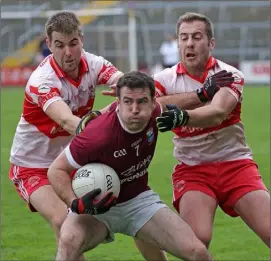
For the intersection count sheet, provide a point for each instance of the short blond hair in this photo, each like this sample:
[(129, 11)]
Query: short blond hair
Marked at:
[(63, 22), (190, 17)]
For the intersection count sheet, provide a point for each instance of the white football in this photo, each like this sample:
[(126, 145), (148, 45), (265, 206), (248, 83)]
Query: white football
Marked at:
[(93, 176)]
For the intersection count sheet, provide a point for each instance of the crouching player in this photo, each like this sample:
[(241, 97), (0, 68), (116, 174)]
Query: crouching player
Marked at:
[(138, 211)]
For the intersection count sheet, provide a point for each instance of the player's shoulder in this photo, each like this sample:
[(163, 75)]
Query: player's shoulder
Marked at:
[(44, 74), (224, 66), (90, 57), (93, 60), (166, 73)]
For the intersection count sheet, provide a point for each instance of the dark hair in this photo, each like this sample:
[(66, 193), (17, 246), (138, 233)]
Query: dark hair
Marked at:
[(63, 22), (190, 17), (134, 80)]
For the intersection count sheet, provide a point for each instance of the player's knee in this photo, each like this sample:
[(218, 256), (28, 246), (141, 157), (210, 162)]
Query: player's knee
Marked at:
[(204, 234), (205, 237), (267, 240), (198, 253), (72, 241), (56, 223), (265, 236)]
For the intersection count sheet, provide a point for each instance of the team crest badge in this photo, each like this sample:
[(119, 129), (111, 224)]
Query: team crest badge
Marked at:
[(44, 89), (150, 135)]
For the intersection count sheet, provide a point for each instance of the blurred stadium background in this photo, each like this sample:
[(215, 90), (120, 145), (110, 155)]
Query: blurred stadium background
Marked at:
[(129, 34)]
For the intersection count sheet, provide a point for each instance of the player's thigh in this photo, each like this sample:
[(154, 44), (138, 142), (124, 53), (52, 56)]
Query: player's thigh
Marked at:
[(194, 195), (169, 232), (83, 232), (49, 205), (254, 209), (195, 204), (149, 251)]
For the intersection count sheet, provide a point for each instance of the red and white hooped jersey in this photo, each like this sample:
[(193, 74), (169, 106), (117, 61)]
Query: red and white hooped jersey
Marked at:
[(38, 139), (202, 145)]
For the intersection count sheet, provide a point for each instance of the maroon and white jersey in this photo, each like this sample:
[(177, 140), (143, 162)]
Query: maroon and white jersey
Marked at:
[(38, 139), (201, 145), (106, 140)]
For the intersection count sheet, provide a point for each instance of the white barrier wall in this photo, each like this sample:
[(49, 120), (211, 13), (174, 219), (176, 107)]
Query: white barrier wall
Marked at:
[(257, 72)]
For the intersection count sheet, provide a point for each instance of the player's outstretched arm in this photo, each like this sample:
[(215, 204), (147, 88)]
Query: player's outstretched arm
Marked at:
[(208, 116), (89, 117), (213, 114), (60, 112), (192, 100), (187, 100)]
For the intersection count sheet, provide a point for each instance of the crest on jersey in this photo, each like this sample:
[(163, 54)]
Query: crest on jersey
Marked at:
[(150, 135), (33, 181), (43, 89)]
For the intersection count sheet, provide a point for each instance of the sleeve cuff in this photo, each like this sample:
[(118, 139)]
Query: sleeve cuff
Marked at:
[(49, 102), (70, 158)]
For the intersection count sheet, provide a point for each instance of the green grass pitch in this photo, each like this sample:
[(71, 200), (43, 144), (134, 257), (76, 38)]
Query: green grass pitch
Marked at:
[(26, 236)]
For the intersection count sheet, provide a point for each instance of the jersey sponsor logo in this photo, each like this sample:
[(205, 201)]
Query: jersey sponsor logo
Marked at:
[(43, 99), (106, 74), (134, 168), (55, 130), (136, 143), (120, 153), (136, 176)]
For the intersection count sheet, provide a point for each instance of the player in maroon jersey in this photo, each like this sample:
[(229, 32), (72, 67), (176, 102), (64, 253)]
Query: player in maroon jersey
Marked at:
[(123, 138)]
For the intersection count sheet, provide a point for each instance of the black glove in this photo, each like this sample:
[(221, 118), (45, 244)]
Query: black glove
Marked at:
[(172, 118), (89, 205), (213, 84), (85, 120)]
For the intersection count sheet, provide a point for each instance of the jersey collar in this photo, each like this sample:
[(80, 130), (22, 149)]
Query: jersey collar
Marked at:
[(210, 64), (83, 67)]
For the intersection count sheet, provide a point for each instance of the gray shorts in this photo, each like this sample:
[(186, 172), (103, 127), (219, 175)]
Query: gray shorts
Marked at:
[(128, 217)]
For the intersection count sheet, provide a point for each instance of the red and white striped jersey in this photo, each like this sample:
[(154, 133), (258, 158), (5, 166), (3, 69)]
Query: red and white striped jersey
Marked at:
[(38, 139), (201, 145)]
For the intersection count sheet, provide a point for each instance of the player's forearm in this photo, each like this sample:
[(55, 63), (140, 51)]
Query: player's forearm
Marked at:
[(70, 124), (61, 183), (60, 112), (207, 116), (185, 101)]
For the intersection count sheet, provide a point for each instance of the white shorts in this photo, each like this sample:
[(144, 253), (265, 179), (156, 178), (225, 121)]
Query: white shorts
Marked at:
[(128, 217)]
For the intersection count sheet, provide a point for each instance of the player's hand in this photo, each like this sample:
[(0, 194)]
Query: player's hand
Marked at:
[(112, 92), (213, 84), (89, 205), (85, 120), (172, 118)]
